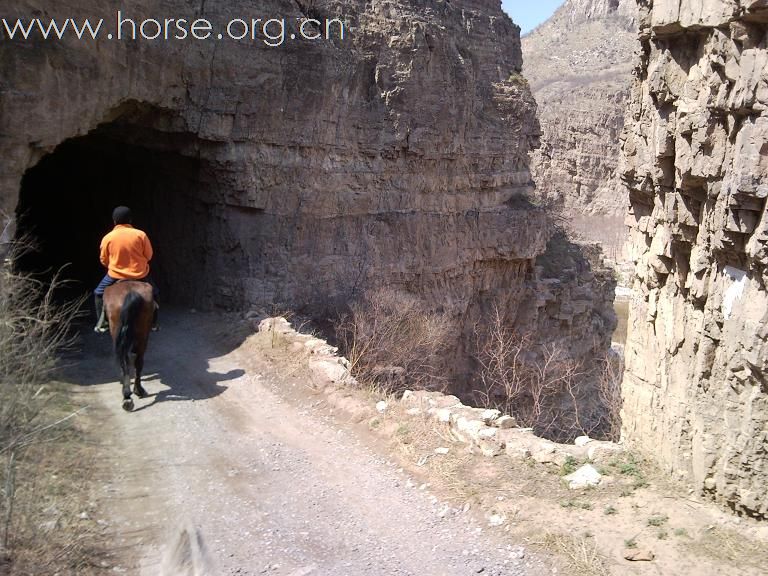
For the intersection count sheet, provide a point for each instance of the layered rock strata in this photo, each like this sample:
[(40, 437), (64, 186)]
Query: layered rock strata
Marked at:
[(299, 175), (578, 64), (695, 164)]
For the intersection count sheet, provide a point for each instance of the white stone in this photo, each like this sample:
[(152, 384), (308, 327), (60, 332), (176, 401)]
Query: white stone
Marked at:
[(442, 451), (505, 422), (489, 448), (442, 414), (469, 428), (487, 433), (488, 416), (735, 281), (603, 451), (496, 519), (382, 407), (582, 440), (329, 369), (584, 477)]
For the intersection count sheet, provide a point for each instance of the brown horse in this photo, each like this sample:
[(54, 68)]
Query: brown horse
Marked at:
[(129, 306)]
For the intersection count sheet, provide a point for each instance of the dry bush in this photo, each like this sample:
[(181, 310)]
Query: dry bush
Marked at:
[(579, 552), (541, 385), (609, 394), (33, 329), (392, 341)]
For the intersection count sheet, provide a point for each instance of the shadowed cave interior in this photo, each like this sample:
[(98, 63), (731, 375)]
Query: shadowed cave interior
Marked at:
[(66, 201)]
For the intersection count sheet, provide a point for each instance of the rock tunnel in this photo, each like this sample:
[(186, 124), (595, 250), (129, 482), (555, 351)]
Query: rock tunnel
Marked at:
[(66, 200)]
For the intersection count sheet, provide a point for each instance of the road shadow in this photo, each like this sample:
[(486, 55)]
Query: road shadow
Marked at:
[(177, 363)]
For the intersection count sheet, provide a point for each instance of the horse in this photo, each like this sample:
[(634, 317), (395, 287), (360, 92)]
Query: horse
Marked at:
[(130, 306)]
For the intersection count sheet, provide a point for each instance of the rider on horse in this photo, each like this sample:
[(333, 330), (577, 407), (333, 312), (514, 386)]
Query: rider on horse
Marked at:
[(125, 253)]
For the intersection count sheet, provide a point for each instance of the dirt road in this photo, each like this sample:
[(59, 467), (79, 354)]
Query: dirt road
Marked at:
[(275, 486)]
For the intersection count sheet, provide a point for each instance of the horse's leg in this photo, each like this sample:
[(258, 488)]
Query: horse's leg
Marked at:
[(126, 381), (138, 389)]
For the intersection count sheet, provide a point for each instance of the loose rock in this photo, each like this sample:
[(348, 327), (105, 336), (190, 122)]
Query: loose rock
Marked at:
[(584, 477)]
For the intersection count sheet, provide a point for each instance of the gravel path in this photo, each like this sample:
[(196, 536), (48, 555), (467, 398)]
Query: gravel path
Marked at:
[(274, 486)]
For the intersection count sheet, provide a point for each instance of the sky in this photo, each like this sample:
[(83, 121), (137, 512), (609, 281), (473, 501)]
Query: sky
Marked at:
[(528, 14)]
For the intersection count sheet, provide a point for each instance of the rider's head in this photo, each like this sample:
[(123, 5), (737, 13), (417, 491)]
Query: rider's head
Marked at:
[(121, 215)]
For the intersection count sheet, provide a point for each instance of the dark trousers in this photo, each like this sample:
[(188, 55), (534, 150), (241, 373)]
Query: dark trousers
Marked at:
[(107, 281)]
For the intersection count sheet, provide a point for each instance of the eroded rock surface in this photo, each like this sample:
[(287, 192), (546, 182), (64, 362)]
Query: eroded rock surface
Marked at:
[(578, 64), (695, 163), (300, 176)]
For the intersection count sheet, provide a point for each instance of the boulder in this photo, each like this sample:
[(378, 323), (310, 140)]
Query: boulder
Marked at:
[(585, 477)]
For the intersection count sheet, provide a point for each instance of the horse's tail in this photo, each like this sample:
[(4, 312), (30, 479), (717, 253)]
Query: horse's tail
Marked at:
[(126, 329)]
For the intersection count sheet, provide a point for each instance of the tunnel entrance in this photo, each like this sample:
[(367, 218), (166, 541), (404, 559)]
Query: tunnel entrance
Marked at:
[(66, 201)]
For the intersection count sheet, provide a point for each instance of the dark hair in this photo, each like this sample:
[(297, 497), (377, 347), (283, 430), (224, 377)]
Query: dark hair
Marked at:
[(121, 215)]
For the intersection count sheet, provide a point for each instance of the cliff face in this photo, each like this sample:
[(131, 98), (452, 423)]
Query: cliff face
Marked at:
[(695, 163), (298, 175), (325, 160), (578, 64)]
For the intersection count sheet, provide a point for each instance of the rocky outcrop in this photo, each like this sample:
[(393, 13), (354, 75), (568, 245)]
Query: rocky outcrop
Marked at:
[(320, 164), (578, 64), (575, 296), (695, 163), (296, 176), (485, 431)]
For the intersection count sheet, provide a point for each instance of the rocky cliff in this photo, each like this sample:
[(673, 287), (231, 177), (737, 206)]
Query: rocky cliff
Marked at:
[(695, 163), (578, 64), (294, 176)]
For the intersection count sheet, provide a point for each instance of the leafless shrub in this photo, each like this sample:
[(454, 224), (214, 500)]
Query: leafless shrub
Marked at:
[(537, 383), (33, 328), (393, 341), (609, 394)]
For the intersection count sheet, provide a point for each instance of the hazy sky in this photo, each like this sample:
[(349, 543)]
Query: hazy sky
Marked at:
[(529, 14)]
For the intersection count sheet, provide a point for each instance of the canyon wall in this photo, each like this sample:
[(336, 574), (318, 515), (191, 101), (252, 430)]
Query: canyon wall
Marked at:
[(578, 64), (695, 163), (301, 175)]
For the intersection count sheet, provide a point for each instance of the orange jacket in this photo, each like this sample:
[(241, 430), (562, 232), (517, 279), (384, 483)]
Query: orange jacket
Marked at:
[(126, 253)]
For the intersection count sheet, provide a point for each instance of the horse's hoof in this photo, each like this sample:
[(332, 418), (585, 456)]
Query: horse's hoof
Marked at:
[(140, 392), (127, 404)]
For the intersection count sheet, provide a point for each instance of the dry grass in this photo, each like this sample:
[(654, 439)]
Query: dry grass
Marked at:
[(416, 437), (579, 554), (391, 340), (462, 474), (42, 469), (729, 546), (54, 530)]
